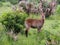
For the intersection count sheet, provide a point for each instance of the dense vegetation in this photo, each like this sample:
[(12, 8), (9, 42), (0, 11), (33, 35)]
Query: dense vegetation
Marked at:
[(15, 19)]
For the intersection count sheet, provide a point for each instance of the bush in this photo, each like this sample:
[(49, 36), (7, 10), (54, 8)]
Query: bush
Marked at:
[(58, 1), (8, 4), (13, 1), (3, 0), (13, 20), (1, 4), (58, 10)]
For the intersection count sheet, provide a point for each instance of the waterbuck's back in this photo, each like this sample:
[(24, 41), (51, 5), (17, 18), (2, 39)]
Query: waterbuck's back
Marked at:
[(34, 23)]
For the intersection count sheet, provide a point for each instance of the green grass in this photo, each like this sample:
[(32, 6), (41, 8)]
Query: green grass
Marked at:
[(51, 28), (4, 9)]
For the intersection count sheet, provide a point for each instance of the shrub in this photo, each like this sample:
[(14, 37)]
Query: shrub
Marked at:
[(13, 1), (8, 4), (1, 4), (58, 10), (3, 0), (13, 20), (58, 1)]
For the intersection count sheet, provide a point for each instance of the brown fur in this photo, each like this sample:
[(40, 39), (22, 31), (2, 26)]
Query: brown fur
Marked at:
[(34, 23)]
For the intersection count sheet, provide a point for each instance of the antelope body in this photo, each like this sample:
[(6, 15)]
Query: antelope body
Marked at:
[(34, 23)]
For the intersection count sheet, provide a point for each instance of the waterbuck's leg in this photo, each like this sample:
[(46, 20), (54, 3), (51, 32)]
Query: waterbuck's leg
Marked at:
[(39, 29), (26, 32), (15, 37)]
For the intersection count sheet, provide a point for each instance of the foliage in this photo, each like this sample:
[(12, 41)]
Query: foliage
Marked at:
[(58, 1), (11, 1), (7, 4), (13, 20), (1, 4), (58, 10), (3, 0)]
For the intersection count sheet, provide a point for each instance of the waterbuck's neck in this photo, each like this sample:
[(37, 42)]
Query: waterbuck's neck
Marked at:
[(43, 16)]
